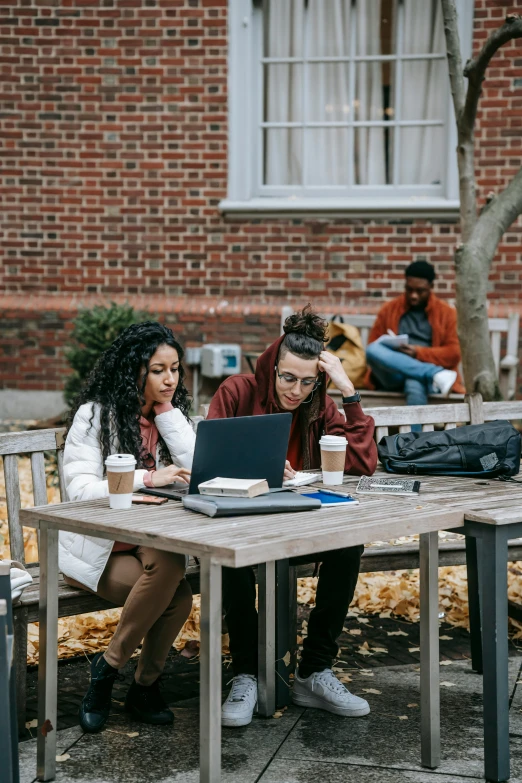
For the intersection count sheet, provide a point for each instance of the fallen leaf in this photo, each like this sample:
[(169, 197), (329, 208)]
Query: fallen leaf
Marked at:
[(362, 620), (447, 684), (371, 690), (379, 649), (413, 649), (355, 631), (366, 673), (133, 734), (287, 658), (445, 663), (31, 724), (412, 705), (402, 717), (63, 757), (396, 633), (446, 638), (364, 649)]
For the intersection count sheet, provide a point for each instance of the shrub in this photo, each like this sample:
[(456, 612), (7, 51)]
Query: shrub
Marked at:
[(94, 331)]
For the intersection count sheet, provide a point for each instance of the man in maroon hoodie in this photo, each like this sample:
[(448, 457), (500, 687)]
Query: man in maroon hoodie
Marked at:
[(290, 377)]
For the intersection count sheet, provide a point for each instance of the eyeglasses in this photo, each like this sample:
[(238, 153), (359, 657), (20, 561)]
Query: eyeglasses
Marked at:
[(288, 381)]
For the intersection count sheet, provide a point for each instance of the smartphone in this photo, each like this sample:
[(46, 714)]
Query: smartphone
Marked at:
[(149, 500)]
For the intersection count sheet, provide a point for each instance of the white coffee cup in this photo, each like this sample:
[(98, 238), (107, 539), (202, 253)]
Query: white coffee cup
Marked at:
[(120, 475), (333, 456)]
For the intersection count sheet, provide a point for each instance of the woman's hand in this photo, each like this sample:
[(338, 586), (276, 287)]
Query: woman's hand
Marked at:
[(289, 471), (164, 476), (331, 364)]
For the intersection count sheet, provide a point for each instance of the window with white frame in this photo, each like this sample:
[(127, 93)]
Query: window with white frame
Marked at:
[(342, 99)]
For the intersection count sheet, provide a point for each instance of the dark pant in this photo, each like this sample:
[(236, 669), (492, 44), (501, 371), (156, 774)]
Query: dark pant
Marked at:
[(336, 585)]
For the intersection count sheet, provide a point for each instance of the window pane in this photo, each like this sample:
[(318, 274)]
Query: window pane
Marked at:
[(372, 95), (423, 155), (283, 93), (373, 156), (423, 31), (283, 28), (283, 156), (327, 98), (328, 27), (327, 156), (423, 94)]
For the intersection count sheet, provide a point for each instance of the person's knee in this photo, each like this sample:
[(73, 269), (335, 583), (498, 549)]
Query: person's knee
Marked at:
[(168, 567), (343, 558), (182, 598), (372, 351)]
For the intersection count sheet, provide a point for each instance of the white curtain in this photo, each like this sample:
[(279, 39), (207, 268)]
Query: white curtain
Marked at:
[(424, 96), (316, 28), (328, 30)]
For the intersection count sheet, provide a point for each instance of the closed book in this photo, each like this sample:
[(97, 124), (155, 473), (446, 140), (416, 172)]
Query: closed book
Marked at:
[(233, 487)]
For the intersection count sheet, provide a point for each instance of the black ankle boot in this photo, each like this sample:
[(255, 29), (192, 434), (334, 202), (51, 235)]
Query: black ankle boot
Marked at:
[(96, 704), (147, 704)]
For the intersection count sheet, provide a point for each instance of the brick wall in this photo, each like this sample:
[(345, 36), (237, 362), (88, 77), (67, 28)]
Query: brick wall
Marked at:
[(113, 158)]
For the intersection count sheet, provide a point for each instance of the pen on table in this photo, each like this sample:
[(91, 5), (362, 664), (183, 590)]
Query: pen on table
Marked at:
[(334, 492)]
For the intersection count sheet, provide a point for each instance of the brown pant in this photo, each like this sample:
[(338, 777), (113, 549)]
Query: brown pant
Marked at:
[(150, 585)]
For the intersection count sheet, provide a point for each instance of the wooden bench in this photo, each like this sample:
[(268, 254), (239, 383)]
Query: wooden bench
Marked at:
[(499, 328), (73, 601)]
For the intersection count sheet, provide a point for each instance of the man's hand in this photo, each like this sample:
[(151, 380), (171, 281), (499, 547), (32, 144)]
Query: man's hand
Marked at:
[(289, 471), (331, 364), (410, 350), (164, 476)]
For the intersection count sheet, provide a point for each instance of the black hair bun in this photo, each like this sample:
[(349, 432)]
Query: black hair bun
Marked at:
[(307, 322)]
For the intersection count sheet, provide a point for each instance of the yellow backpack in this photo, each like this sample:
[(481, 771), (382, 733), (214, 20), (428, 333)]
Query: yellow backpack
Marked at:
[(344, 341)]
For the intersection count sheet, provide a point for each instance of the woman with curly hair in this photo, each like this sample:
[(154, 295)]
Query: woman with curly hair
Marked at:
[(133, 402)]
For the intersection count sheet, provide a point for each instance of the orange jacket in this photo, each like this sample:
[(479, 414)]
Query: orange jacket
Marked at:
[(445, 348)]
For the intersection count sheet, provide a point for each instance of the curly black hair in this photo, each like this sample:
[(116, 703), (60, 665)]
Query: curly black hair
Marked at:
[(115, 384)]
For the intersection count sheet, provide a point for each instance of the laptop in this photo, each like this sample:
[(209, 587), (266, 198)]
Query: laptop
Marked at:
[(244, 447)]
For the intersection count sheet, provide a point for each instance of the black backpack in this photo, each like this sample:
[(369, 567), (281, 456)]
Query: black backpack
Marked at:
[(491, 449)]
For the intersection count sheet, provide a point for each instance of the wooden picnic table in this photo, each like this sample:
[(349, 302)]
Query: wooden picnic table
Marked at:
[(261, 539)]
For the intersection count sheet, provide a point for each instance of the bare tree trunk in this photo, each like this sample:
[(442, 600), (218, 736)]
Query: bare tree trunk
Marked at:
[(480, 234)]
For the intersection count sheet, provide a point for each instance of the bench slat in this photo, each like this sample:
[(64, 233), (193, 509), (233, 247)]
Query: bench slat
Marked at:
[(38, 474), (34, 440), (12, 491), (419, 414)]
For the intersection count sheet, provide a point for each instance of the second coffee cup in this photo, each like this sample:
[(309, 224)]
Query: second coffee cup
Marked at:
[(333, 457), (120, 475)]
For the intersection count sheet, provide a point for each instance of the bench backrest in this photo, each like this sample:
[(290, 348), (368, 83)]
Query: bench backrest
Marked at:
[(32, 444), (498, 327)]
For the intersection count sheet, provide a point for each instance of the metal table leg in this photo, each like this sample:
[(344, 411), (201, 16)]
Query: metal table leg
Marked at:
[(210, 672), (475, 626), (429, 649), (286, 630), (48, 654), (495, 653), (266, 651)]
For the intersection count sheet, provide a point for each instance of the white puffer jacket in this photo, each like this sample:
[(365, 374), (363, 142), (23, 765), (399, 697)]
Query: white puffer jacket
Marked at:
[(84, 557)]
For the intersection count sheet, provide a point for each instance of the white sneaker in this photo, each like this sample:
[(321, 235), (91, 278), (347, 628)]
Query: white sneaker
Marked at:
[(444, 380), (324, 691), (241, 701)]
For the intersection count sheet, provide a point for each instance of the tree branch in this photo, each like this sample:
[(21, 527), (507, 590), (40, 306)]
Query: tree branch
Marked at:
[(496, 217), (451, 31), (476, 68)]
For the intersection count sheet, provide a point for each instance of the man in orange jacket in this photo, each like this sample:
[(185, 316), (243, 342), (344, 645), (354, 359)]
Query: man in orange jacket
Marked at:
[(428, 363)]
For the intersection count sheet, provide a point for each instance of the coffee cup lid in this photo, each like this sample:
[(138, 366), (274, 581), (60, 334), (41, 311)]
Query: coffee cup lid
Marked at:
[(332, 440), (120, 460)]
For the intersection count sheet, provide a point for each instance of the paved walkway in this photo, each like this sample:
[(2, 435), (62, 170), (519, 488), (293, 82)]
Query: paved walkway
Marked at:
[(301, 746)]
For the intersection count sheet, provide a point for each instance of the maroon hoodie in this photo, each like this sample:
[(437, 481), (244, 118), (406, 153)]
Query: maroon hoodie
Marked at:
[(253, 395)]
